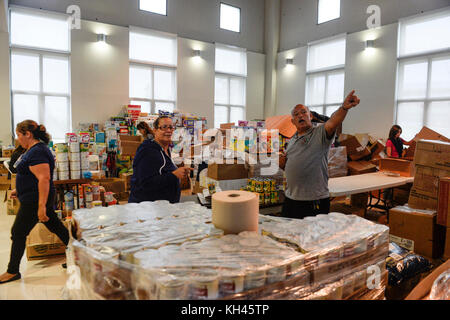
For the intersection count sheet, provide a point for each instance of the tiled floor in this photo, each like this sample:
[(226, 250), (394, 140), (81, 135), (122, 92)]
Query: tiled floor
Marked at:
[(41, 279)]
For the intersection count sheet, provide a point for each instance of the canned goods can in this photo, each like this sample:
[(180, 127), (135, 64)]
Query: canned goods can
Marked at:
[(75, 165), (274, 197), (172, 289), (88, 197), (74, 147), (109, 197), (276, 274), (62, 157), (87, 188), (261, 198), (273, 185), (259, 186), (97, 203), (249, 184), (266, 185), (62, 165), (205, 287), (75, 174), (211, 188), (231, 284), (254, 279), (266, 197), (89, 205)]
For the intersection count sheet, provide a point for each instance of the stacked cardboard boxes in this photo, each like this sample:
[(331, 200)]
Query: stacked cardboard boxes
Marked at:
[(42, 244), (432, 162), (443, 212)]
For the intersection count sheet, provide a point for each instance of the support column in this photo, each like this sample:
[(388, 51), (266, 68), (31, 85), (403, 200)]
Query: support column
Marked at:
[(271, 46)]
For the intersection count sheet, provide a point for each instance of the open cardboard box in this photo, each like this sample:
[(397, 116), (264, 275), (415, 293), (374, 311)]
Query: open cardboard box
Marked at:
[(423, 289)]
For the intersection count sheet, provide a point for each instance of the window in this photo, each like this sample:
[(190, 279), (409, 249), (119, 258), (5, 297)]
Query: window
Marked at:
[(325, 76), (230, 85), (423, 78), (230, 18), (328, 10), (153, 60), (40, 70), (154, 6)]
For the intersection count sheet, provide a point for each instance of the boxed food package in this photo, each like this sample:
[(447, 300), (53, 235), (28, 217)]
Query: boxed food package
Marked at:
[(432, 153), (403, 167), (424, 193), (360, 167), (419, 228), (227, 171), (443, 208), (41, 243)]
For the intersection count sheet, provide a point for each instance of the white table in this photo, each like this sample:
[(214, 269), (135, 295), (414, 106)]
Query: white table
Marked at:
[(362, 183), (345, 186)]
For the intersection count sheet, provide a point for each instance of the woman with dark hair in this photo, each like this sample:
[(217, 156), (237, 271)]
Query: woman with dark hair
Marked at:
[(145, 130), (394, 145), (155, 176), (36, 192)]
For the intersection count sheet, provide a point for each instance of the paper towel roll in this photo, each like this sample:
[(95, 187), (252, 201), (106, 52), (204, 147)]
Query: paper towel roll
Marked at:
[(235, 211)]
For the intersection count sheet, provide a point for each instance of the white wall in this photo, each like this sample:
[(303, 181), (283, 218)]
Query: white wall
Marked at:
[(191, 19), (99, 72), (5, 94), (299, 18), (372, 73), (255, 85), (195, 79), (290, 80)]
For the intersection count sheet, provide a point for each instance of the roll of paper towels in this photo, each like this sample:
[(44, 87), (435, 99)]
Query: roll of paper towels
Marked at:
[(235, 211)]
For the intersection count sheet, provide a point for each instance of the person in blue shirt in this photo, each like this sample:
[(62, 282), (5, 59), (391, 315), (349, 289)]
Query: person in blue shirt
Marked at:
[(155, 176), (36, 193)]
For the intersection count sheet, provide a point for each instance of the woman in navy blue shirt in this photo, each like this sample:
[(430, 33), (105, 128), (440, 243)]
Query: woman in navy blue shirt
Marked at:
[(36, 193), (155, 176)]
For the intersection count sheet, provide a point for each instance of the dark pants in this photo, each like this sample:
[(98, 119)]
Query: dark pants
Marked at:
[(26, 219), (300, 209)]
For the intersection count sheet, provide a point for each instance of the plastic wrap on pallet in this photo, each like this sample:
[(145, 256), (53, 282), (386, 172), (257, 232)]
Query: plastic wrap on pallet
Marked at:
[(337, 162), (157, 250)]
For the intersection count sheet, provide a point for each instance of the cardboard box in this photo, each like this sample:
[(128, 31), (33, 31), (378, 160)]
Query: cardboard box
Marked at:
[(447, 244), (6, 153), (443, 208), (227, 171), (401, 194), (359, 200), (12, 205), (422, 290), (433, 153), (115, 185), (424, 193), (42, 244), (360, 167), (3, 169), (420, 227), (129, 148), (227, 125), (126, 137), (354, 149), (4, 182), (428, 134), (377, 148), (403, 167), (126, 177)]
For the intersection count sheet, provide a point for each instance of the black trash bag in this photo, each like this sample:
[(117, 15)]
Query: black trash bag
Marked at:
[(403, 264)]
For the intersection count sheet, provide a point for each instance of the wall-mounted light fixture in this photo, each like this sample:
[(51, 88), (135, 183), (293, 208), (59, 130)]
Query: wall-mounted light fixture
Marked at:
[(369, 44), (290, 61), (101, 37), (196, 53)]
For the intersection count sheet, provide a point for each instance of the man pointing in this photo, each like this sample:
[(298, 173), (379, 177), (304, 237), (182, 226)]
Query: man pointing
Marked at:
[(306, 161)]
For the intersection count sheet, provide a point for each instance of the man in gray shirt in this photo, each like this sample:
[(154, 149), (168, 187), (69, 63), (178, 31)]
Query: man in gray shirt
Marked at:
[(306, 161)]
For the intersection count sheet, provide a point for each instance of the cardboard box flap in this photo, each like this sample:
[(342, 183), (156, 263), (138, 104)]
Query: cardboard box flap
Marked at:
[(427, 133), (283, 124), (409, 210)]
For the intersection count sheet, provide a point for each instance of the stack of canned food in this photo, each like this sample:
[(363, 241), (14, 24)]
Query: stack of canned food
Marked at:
[(266, 189)]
